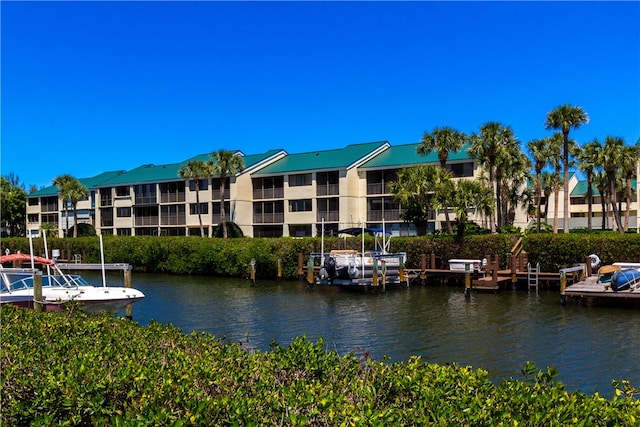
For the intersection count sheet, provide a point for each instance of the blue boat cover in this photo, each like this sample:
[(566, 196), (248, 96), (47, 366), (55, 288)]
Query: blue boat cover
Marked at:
[(622, 279)]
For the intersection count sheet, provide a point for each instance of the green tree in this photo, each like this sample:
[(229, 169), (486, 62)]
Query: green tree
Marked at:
[(564, 118), (443, 141), (71, 192), (49, 228), (601, 184), (414, 189), (588, 162), (539, 149), (487, 146), (13, 199), (64, 183), (555, 146), (226, 164), (611, 159), (469, 196), (196, 170), (630, 154)]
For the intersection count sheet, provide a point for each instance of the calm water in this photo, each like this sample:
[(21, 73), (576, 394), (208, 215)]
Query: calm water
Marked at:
[(590, 345)]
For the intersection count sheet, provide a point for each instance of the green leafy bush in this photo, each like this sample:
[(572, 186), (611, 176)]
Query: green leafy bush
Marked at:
[(73, 369)]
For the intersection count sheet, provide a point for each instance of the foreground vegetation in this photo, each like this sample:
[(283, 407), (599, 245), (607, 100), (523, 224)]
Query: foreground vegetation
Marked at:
[(70, 369), (232, 257)]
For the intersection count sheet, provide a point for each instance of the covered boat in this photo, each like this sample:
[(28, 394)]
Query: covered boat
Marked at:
[(624, 279)]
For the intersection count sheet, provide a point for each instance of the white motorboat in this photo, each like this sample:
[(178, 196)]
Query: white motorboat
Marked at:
[(58, 288)]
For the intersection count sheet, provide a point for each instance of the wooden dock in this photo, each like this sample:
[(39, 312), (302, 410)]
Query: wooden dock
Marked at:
[(591, 288)]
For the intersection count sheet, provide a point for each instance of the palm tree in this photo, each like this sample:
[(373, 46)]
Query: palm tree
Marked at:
[(443, 141), (601, 184), (628, 164), (548, 185), (227, 164), (555, 148), (564, 118), (77, 192), (487, 147), (539, 149), (611, 158), (64, 183), (588, 162), (196, 170), (414, 189), (469, 196)]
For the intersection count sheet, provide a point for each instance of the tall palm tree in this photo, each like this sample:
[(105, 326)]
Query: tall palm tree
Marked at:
[(487, 147), (443, 141), (77, 192), (587, 157), (601, 184), (628, 165), (539, 149), (414, 189), (555, 147), (64, 183), (196, 171), (469, 196), (564, 118), (611, 158), (548, 184), (226, 164)]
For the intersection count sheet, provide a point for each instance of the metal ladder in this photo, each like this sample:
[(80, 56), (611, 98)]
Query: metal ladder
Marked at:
[(532, 276)]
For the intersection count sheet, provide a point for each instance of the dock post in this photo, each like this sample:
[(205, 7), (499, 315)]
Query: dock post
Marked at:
[(402, 273), (384, 275), (253, 271), (514, 279), (467, 281), (279, 270), (310, 272), (374, 278), (128, 309), (37, 291), (563, 286), (300, 265), (423, 268)]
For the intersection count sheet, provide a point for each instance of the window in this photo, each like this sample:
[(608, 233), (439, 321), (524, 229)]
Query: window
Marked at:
[(172, 215), (106, 217), (327, 183), (50, 204), (299, 180), (300, 230), (145, 194), (461, 169), (50, 219), (105, 197), (202, 208), (268, 188), (123, 231), (32, 218), (203, 185), (33, 201), (172, 192), (122, 191), (123, 212), (328, 209), (146, 215), (302, 205)]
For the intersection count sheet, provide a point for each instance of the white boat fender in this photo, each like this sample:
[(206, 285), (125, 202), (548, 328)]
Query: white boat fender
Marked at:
[(595, 261)]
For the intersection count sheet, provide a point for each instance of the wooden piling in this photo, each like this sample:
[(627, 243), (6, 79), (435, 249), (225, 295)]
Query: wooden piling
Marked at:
[(374, 279), (128, 310), (514, 279), (310, 271), (279, 270), (423, 268), (300, 265), (563, 287), (467, 281), (37, 291)]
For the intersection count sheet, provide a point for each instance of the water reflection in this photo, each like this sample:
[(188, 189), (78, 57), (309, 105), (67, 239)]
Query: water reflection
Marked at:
[(499, 332)]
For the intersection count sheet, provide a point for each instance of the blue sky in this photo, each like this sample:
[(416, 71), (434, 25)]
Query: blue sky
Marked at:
[(89, 87)]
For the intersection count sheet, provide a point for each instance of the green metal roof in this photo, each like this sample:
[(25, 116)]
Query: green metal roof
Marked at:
[(90, 183), (407, 155), (581, 188), (169, 172), (341, 158)]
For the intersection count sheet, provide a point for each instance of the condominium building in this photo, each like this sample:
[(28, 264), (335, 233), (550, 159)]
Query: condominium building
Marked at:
[(277, 194)]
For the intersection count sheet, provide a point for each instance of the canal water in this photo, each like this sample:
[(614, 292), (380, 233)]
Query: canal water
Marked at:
[(589, 344)]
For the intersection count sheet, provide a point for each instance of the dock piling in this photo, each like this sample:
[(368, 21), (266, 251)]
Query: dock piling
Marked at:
[(37, 290)]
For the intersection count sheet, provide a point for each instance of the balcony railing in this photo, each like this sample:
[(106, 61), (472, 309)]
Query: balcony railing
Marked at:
[(146, 200), (268, 193), (145, 220), (380, 215), (174, 220), (329, 216), (268, 218), (328, 190), (172, 198), (215, 194)]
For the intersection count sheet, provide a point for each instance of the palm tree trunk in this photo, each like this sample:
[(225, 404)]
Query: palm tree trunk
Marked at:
[(614, 207), (223, 217), (75, 221), (565, 165), (556, 188), (589, 203), (538, 196)]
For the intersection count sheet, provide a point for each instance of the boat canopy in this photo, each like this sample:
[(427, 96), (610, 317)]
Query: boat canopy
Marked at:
[(356, 231)]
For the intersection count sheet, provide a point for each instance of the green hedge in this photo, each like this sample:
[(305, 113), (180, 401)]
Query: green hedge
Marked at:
[(232, 257), (71, 369)]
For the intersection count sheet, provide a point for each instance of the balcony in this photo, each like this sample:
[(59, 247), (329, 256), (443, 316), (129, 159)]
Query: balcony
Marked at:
[(268, 193), (268, 218), (329, 216), (145, 220), (328, 190), (383, 215), (172, 198)]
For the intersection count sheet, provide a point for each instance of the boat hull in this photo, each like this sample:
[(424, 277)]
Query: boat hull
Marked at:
[(623, 279)]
